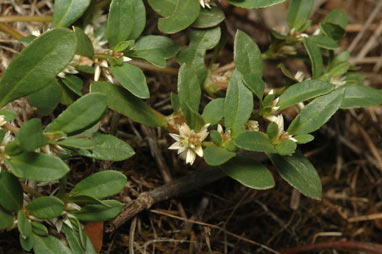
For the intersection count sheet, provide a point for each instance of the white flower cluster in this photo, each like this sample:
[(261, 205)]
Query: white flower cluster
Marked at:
[(189, 143)]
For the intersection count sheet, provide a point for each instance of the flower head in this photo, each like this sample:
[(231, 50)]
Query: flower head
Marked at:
[(282, 135), (252, 125), (189, 142), (205, 3)]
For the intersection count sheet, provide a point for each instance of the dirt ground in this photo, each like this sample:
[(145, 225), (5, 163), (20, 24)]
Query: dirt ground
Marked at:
[(225, 217)]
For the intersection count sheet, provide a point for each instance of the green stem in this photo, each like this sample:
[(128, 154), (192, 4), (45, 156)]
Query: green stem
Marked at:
[(11, 31), (26, 18)]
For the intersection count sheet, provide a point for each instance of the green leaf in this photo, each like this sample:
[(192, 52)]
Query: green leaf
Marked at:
[(163, 7), (45, 207), (26, 243), (334, 24), (215, 156), (304, 138), (361, 96), (286, 147), (201, 40), (255, 84), (46, 99), (108, 147), (49, 245), (139, 19), (84, 44), (75, 142), (254, 141), (303, 91), (23, 224), (37, 166), (316, 113), (298, 172), (155, 49), (324, 42), (39, 229), (73, 239), (9, 114), (6, 220), (185, 13), (30, 136), (38, 64), (11, 198), (209, 17), (68, 11), (189, 91), (85, 200), (213, 112), (249, 172), (101, 184), (80, 115), (99, 212), (315, 57), (131, 78), (251, 4), (238, 104), (74, 83), (127, 104), (247, 55), (298, 13), (120, 22)]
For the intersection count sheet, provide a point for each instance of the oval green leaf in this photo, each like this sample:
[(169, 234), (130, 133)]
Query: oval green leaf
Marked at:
[(298, 13), (6, 220), (314, 56), (120, 22), (99, 212), (163, 7), (209, 17), (39, 229), (37, 166), (361, 96), (316, 113), (30, 136), (80, 115), (303, 91), (131, 78), (238, 104), (300, 173), (254, 141), (249, 172), (251, 4), (45, 207), (101, 184), (247, 55), (214, 111), (11, 192), (185, 13), (49, 245), (23, 224), (68, 11), (38, 64), (216, 156), (155, 49), (127, 104), (46, 99)]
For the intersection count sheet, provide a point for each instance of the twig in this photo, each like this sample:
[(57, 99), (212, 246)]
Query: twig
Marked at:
[(365, 27), (131, 235), (11, 31), (26, 19), (339, 245), (370, 43), (145, 200), (10, 127), (218, 228)]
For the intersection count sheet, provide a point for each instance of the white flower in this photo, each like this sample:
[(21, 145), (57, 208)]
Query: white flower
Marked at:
[(97, 42), (189, 142), (252, 125), (282, 135), (338, 81), (104, 67), (2, 120), (205, 3), (274, 108), (299, 76)]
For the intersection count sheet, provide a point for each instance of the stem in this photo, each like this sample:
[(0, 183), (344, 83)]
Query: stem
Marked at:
[(10, 127), (11, 31), (26, 18), (30, 190)]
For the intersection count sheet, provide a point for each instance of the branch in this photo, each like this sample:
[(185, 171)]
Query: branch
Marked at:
[(145, 200), (15, 34), (369, 248), (26, 18)]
